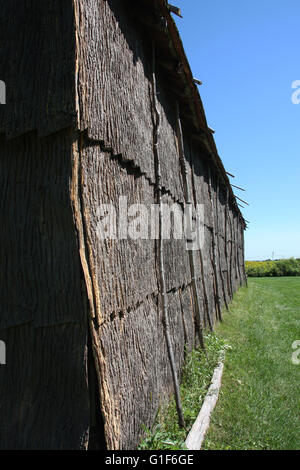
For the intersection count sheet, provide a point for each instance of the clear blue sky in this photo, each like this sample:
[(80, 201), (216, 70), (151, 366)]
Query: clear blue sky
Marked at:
[(247, 55)]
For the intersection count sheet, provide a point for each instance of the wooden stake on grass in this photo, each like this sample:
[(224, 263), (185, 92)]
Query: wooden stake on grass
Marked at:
[(196, 435)]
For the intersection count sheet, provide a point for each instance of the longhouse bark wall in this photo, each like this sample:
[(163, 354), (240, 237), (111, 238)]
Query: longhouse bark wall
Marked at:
[(44, 389), (83, 120), (116, 159)]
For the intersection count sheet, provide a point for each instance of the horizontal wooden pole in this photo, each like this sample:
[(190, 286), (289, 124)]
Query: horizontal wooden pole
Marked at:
[(175, 10), (247, 204), (197, 81), (197, 433), (238, 187)]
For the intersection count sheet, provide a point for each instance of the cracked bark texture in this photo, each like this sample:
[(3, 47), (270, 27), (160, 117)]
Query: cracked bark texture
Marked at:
[(78, 132)]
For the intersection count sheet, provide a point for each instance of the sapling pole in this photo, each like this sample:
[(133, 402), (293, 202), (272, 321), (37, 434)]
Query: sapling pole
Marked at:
[(238, 187), (218, 243), (242, 200), (218, 301), (227, 223), (164, 302), (188, 201)]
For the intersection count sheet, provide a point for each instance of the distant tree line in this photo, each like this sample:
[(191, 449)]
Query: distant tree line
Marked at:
[(281, 267)]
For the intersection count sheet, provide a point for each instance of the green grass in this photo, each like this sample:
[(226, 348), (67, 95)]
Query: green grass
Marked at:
[(197, 374), (259, 405)]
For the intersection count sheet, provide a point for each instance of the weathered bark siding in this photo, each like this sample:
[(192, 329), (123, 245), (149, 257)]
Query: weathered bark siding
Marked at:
[(65, 291), (37, 59), (129, 344), (43, 318), (118, 113)]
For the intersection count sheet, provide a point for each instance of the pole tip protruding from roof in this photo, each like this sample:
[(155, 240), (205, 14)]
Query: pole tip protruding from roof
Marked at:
[(175, 10), (198, 82)]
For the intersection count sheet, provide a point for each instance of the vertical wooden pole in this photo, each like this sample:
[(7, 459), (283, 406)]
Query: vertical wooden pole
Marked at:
[(243, 248), (188, 201), (240, 252), (231, 254), (206, 304), (218, 245), (164, 300), (218, 300), (237, 263), (226, 246), (208, 316), (238, 249)]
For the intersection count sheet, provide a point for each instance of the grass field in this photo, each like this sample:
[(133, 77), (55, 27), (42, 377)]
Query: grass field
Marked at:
[(197, 374), (259, 404)]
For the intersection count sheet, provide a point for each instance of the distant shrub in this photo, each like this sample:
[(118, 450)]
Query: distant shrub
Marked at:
[(282, 267)]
